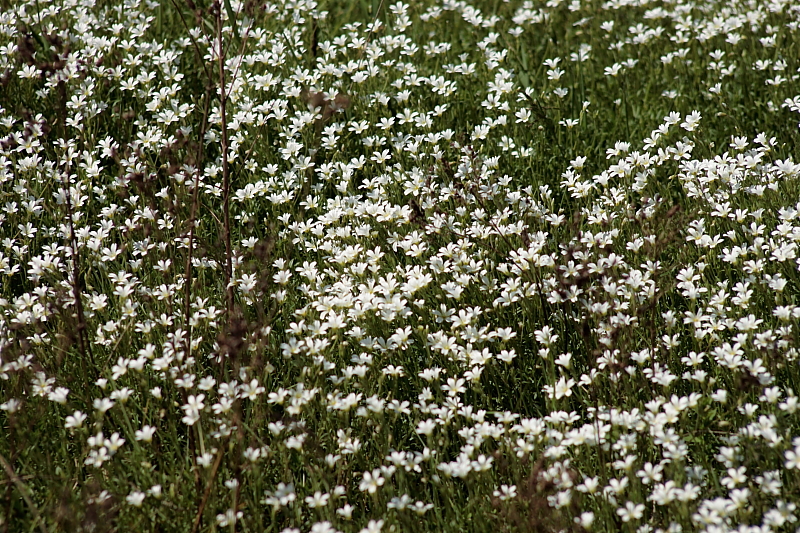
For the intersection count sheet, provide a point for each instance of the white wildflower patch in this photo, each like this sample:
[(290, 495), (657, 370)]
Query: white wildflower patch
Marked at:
[(442, 266)]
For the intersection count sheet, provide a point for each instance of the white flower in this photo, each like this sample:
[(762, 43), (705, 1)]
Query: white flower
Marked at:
[(691, 121), (374, 526), (228, 518), (371, 481), (421, 507), (194, 404), (59, 395), (506, 492), (135, 498), (507, 356), (631, 511), (585, 520), (122, 394), (563, 388), (721, 396), (792, 459), (319, 499), (426, 427), (736, 476), (346, 511), (75, 420), (399, 503), (103, 404), (113, 443), (13, 405), (145, 434)]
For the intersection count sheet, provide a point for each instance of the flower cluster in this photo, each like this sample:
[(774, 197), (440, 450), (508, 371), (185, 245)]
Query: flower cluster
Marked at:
[(303, 266)]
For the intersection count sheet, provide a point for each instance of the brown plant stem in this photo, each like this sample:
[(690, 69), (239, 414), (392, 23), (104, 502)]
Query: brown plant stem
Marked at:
[(192, 221), (194, 41), (199, 516), (83, 341), (226, 174), (23, 490)]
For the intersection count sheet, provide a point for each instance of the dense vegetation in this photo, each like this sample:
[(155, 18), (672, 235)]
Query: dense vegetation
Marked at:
[(444, 266)]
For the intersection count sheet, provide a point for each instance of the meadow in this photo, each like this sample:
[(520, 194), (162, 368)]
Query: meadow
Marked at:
[(371, 266)]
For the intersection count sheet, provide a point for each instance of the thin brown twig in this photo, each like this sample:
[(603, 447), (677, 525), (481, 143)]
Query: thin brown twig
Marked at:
[(226, 174), (11, 481), (241, 54), (23, 490), (83, 339), (199, 516), (192, 222), (369, 38), (232, 22), (194, 41)]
